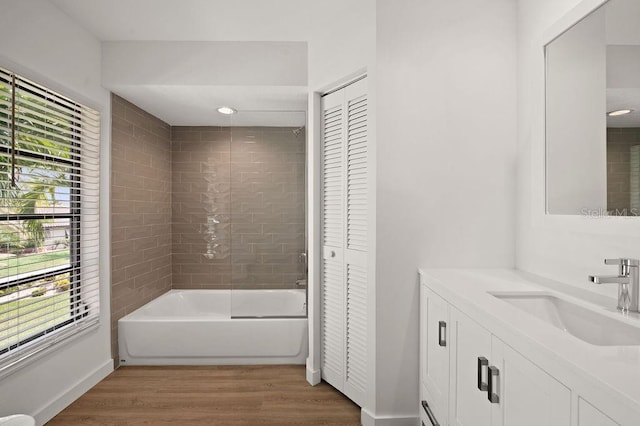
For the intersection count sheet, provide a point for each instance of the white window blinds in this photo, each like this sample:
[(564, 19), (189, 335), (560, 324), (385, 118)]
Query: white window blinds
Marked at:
[(49, 178)]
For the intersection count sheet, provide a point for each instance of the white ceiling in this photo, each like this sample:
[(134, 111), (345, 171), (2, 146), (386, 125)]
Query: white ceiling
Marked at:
[(197, 105), (192, 20), (200, 20)]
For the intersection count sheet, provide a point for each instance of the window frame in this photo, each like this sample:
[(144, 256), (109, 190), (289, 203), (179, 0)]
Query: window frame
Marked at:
[(13, 354)]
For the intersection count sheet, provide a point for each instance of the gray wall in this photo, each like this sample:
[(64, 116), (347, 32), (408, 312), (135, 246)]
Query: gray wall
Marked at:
[(140, 210), (619, 143), (251, 179)]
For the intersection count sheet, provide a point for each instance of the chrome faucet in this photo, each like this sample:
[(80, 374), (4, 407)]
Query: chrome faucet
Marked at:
[(627, 280)]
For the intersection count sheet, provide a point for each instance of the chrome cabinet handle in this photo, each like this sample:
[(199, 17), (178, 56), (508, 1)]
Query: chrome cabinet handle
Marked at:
[(492, 391), (430, 415), (483, 363), (442, 333)]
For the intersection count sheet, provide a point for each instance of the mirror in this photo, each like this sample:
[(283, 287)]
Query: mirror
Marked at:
[(592, 152)]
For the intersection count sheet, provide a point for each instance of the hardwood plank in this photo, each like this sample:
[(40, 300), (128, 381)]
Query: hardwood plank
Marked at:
[(210, 395)]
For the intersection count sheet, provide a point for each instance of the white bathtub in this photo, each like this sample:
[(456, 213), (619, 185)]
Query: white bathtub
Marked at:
[(195, 327)]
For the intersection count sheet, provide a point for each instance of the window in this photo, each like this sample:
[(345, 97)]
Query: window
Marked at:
[(49, 176)]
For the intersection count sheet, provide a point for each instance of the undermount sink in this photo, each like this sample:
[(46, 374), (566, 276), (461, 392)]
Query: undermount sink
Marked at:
[(583, 323)]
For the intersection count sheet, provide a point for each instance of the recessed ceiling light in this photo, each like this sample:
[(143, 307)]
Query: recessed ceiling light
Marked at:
[(227, 110), (619, 112)]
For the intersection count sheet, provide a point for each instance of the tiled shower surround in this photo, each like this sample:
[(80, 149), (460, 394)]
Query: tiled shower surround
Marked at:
[(619, 143), (140, 210), (246, 184), (202, 207)]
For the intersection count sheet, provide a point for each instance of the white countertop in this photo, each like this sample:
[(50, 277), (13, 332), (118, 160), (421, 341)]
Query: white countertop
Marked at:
[(610, 372)]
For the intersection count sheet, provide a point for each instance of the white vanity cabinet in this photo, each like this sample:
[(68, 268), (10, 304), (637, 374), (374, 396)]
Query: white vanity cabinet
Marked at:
[(470, 357), (493, 385), (434, 356), (528, 395), (486, 362), (588, 415), (468, 377)]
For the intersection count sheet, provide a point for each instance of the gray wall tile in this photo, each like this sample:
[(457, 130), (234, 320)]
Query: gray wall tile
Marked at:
[(140, 210), (247, 176), (619, 143)]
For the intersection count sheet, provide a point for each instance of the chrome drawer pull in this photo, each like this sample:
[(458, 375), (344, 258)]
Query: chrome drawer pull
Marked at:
[(492, 392), (442, 333), (483, 363), (427, 410)]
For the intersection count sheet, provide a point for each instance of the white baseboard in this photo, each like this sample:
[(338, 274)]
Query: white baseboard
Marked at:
[(47, 412), (368, 419), (313, 376)]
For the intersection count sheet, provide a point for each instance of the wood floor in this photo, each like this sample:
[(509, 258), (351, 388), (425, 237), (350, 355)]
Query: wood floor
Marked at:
[(203, 396)]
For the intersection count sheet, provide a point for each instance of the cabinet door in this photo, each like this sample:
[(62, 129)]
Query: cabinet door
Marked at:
[(588, 415), (468, 405), (434, 353), (527, 395)]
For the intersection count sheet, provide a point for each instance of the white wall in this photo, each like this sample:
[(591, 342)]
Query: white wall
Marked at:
[(41, 43), (189, 20), (623, 63), (182, 82), (622, 22), (204, 63), (446, 140), (566, 248), (576, 118), (341, 40)]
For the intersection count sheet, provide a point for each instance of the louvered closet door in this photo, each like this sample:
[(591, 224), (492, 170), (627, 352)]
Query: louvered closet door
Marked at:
[(345, 240), (333, 205), (356, 215)]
